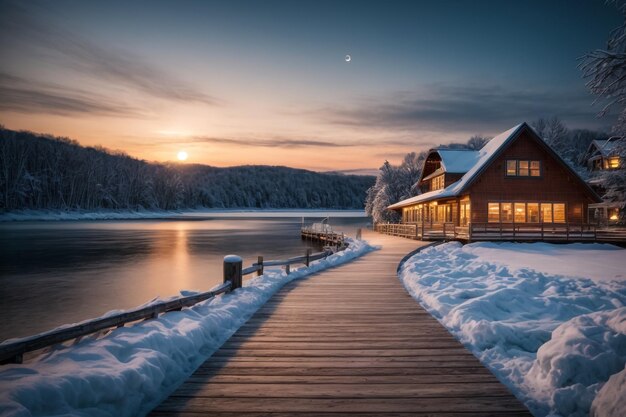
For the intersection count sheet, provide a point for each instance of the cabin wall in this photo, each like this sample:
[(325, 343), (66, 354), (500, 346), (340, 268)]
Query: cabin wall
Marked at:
[(452, 178), (555, 185)]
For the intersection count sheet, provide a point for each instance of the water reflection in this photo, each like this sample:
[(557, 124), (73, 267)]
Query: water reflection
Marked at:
[(57, 273)]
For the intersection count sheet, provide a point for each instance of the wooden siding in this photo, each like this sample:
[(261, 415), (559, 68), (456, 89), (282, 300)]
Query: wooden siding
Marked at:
[(556, 184)]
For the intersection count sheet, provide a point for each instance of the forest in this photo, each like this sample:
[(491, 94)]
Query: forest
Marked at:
[(44, 172)]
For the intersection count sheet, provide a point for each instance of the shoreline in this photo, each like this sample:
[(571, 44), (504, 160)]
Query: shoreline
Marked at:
[(192, 214)]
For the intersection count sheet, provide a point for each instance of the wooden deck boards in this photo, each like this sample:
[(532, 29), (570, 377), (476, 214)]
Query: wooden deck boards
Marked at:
[(347, 341)]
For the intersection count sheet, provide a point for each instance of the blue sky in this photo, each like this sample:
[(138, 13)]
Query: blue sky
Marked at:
[(239, 82)]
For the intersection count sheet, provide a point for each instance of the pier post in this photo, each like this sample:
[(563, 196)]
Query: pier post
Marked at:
[(308, 257), (232, 271), (260, 263), (287, 269), (358, 234)]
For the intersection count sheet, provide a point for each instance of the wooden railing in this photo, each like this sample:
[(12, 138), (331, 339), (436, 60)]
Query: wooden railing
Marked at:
[(327, 237), (533, 231), (504, 231), (232, 279)]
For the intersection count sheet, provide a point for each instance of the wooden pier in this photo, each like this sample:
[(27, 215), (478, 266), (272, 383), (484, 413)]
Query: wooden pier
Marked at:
[(346, 341), (326, 237)]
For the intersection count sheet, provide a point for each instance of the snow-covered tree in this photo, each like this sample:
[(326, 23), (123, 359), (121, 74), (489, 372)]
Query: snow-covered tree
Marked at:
[(605, 71)]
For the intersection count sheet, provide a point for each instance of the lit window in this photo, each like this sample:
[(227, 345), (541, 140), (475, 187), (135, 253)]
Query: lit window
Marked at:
[(511, 168), (520, 213), (559, 213), (523, 169), (546, 213), (614, 162), (506, 210), (535, 168), (532, 212), (437, 183), (494, 213)]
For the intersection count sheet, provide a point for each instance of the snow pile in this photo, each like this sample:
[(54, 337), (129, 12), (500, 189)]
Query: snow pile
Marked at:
[(134, 368), (582, 354), (554, 339)]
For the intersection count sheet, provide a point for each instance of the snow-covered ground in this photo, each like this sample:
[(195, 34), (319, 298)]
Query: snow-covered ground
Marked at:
[(51, 215), (129, 371), (548, 320)]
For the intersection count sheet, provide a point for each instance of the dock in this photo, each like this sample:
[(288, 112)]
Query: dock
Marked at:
[(346, 341)]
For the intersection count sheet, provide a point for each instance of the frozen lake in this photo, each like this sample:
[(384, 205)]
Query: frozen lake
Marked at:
[(52, 273)]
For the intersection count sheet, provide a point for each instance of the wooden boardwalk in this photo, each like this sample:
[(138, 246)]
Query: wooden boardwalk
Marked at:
[(347, 341)]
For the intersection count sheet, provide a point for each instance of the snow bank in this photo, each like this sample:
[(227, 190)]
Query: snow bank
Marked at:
[(553, 339), (134, 368)]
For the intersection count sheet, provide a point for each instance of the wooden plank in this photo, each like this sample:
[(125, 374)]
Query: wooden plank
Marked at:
[(315, 378), (345, 405), (367, 390)]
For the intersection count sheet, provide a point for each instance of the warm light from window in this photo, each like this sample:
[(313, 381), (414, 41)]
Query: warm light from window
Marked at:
[(613, 217), (614, 162)]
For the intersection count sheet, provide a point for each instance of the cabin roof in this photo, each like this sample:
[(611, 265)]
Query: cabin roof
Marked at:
[(484, 157), (457, 161), (604, 147)]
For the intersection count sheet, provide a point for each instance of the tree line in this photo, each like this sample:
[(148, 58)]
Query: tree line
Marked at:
[(44, 172)]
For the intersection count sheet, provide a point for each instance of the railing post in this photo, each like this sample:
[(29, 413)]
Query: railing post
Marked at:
[(308, 257), (287, 269), (259, 262), (232, 271), (358, 234)]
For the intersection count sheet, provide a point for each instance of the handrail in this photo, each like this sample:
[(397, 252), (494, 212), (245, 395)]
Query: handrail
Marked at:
[(14, 351), (501, 231)]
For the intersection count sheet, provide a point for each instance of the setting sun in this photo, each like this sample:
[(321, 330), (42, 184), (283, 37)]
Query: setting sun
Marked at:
[(182, 156)]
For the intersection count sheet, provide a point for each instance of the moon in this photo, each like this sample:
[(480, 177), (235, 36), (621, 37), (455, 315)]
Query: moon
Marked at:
[(348, 58), (182, 156)]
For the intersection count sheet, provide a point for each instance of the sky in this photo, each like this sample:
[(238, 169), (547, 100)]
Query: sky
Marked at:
[(267, 82)]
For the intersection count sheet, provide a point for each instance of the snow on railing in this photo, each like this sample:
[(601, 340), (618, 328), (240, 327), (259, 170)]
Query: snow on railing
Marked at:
[(232, 279)]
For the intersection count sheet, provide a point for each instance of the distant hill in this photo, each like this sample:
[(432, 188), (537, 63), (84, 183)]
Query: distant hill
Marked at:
[(44, 172)]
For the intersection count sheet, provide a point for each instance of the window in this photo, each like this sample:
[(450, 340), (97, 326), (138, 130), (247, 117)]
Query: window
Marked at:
[(546, 213), (559, 213), (535, 168), (506, 212), (465, 214), (523, 168), (511, 168), (437, 183), (532, 212), (520, 212), (526, 212), (493, 213), (613, 162)]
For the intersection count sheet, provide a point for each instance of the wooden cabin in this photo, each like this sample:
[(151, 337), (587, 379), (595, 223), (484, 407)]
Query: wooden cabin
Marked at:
[(515, 187), (602, 154)]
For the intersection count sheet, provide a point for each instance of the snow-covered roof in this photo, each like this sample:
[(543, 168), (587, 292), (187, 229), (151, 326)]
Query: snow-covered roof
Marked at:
[(457, 161), (482, 159), (605, 147)]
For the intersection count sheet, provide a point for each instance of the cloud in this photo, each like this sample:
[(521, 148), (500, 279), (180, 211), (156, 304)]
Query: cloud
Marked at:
[(486, 109), (96, 61), (286, 142), (27, 96), (271, 142)]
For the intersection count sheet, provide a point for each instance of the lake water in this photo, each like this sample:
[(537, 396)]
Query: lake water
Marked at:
[(53, 273)]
